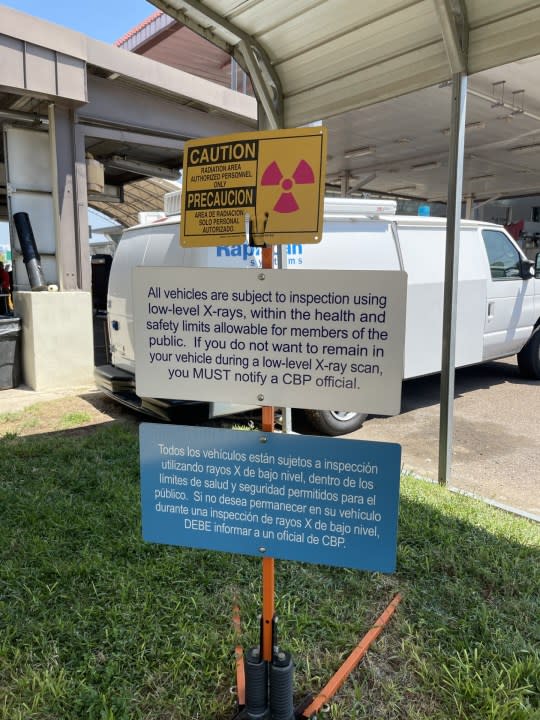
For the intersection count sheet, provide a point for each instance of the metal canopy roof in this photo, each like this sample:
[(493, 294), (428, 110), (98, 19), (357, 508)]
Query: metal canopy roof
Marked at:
[(376, 74), (331, 56), (402, 143)]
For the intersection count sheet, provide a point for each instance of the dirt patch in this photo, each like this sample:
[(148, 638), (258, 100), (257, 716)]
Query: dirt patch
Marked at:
[(83, 412)]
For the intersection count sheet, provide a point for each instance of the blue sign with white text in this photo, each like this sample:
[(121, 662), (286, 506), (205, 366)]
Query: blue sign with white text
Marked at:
[(313, 499)]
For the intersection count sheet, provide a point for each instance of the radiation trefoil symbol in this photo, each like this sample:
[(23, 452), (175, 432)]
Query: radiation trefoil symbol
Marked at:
[(303, 175)]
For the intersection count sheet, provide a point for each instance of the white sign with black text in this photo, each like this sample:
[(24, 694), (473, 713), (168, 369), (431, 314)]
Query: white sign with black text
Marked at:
[(312, 339)]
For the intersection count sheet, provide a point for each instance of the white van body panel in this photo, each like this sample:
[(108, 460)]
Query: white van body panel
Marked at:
[(155, 245), (425, 300), (495, 315), (419, 245)]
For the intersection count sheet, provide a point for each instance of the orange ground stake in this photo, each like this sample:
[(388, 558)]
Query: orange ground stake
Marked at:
[(337, 680), (239, 660)]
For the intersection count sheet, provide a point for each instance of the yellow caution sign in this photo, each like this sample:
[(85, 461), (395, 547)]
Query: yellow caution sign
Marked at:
[(268, 181)]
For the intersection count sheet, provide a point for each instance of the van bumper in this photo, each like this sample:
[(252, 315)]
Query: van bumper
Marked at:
[(119, 385)]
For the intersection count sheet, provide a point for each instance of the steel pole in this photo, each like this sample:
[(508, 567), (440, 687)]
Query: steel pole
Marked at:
[(455, 185)]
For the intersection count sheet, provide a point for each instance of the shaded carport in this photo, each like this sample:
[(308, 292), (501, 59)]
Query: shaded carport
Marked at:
[(309, 61)]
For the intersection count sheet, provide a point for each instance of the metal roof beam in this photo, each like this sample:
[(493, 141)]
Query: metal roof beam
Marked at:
[(455, 32), (246, 51), (361, 183)]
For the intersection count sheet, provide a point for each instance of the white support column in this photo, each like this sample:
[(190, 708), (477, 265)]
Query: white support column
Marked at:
[(57, 326), (72, 240)]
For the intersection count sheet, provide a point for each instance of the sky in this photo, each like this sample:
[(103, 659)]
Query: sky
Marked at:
[(105, 20)]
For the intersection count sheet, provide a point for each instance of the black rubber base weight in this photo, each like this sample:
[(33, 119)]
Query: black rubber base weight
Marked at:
[(241, 713)]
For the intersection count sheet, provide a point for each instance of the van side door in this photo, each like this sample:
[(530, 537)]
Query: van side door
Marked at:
[(510, 312)]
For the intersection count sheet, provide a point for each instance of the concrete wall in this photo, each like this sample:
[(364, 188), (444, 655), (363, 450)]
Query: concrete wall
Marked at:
[(57, 342)]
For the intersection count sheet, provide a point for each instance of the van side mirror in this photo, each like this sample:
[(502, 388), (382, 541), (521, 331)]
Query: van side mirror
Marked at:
[(527, 270), (537, 266)]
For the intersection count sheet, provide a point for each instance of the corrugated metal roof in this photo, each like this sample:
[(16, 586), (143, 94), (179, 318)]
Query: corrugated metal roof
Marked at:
[(140, 196), (332, 56)]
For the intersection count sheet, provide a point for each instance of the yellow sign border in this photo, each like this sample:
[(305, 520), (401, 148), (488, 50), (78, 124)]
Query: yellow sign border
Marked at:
[(226, 178)]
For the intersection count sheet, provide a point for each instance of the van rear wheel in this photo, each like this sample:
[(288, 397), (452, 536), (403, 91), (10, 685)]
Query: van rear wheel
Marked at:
[(335, 422), (529, 357)]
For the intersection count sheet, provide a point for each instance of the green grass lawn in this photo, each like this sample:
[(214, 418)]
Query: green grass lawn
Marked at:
[(95, 624)]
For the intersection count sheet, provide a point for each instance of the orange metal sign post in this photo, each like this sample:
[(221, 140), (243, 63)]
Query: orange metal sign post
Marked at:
[(268, 592)]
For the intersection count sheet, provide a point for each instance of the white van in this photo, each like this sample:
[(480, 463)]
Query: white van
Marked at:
[(498, 312)]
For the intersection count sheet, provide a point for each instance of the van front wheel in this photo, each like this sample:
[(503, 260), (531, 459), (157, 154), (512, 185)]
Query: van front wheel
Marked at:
[(529, 357), (335, 422)]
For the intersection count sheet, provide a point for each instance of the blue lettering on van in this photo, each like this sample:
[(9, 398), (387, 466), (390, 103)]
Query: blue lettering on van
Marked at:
[(243, 251), (247, 251), (295, 249)]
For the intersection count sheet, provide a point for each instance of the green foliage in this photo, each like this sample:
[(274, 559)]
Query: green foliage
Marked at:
[(97, 624)]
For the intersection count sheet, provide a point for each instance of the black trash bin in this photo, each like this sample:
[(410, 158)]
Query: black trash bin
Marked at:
[(10, 352)]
